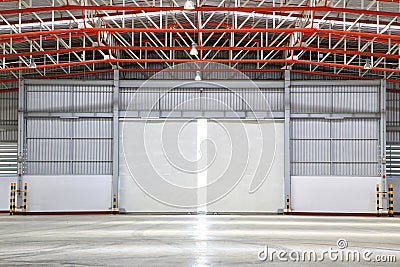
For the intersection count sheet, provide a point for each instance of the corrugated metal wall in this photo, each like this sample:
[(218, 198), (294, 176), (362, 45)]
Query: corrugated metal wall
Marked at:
[(8, 116), (345, 147), (320, 146), (69, 98), (393, 133), (8, 132), (197, 99), (393, 116), (341, 141), (59, 143), (68, 146), (334, 99)]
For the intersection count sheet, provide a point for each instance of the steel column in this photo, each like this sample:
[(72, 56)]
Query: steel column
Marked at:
[(383, 137), (115, 155), (21, 134), (287, 156)]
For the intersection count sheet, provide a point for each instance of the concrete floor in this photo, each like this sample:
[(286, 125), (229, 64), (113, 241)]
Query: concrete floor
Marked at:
[(132, 240)]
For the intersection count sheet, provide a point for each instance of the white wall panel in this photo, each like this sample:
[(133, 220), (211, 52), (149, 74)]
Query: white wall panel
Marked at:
[(68, 193), (342, 194), (143, 162), (265, 160), (223, 174), (396, 192)]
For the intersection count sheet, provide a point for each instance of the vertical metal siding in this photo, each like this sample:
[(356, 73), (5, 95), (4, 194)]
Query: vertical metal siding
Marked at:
[(7, 135), (8, 116), (335, 147), (48, 98), (196, 99), (310, 147), (355, 99), (178, 99), (338, 147), (8, 108), (68, 146), (8, 132), (68, 98), (92, 98), (311, 99), (393, 109), (319, 146), (392, 136), (334, 99), (393, 117)]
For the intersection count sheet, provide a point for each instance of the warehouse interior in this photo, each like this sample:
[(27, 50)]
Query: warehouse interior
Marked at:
[(199, 133)]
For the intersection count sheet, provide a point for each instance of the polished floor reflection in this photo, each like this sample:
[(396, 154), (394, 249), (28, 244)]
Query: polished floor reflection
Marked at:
[(133, 240)]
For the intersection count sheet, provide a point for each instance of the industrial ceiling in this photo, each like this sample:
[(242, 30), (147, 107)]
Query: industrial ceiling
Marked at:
[(72, 38)]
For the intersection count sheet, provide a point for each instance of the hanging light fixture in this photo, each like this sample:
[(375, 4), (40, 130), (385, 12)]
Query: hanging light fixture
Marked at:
[(32, 63), (189, 5), (198, 76), (194, 51), (367, 65)]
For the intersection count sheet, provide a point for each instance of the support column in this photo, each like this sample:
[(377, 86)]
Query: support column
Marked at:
[(383, 139), (115, 155), (21, 136), (287, 156)]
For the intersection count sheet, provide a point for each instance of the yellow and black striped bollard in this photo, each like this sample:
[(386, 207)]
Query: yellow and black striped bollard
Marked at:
[(11, 198), (115, 204), (391, 202), (377, 201), (25, 196), (287, 204), (14, 195)]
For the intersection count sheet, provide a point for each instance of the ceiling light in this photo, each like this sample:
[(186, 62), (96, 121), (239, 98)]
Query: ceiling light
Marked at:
[(194, 51), (32, 64), (367, 65), (107, 57), (198, 76), (292, 57), (189, 5)]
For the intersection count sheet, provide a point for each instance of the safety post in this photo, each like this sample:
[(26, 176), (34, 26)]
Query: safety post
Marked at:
[(377, 200), (12, 197), (25, 197), (287, 204), (115, 204), (391, 202), (13, 191)]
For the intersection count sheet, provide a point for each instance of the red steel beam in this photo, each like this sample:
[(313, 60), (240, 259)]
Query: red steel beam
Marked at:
[(330, 35), (204, 48), (255, 40), (201, 9), (157, 30)]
